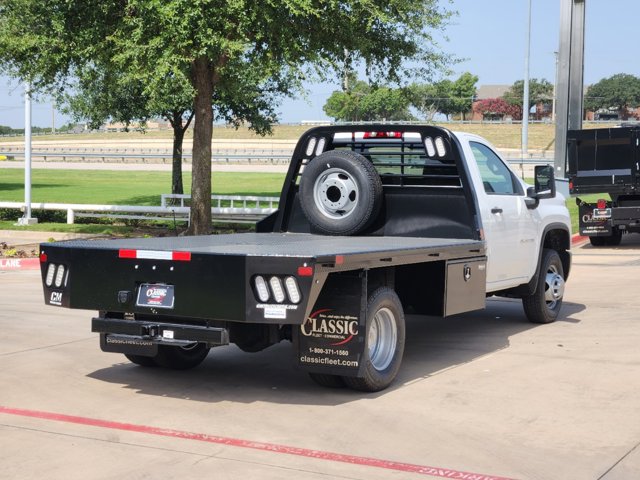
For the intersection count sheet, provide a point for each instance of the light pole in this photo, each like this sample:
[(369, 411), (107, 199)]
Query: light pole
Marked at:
[(26, 218), (525, 99), (555, 92)]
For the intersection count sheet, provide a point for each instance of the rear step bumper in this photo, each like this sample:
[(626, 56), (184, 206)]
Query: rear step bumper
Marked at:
[(123, 336)]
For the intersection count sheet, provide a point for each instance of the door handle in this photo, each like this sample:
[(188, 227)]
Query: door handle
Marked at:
[(496, 210)]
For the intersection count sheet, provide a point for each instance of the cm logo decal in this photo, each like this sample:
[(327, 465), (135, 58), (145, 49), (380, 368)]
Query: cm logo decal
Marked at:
[(56, 298)]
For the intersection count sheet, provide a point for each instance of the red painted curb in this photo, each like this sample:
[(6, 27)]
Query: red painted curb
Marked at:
[(578, 239), (19, 263), (268, 447)]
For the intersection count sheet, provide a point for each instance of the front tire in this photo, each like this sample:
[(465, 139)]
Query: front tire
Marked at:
[(543, 306), (384, 345), (181, 358)]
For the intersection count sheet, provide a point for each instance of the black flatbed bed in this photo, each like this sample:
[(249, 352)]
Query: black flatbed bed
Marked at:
[(296, 245)]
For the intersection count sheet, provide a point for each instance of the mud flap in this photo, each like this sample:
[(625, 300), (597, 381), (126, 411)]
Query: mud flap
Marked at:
[(332, 339), (598, 227)]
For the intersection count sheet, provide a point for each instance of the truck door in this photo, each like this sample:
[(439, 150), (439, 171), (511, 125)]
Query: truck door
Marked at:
[(509, 226)]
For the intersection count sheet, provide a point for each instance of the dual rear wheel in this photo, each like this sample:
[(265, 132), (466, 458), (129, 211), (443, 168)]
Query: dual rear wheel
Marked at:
[(176, 358), (384, 337)]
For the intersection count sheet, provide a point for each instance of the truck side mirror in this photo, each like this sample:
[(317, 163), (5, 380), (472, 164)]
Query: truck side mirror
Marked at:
[(545, 181)]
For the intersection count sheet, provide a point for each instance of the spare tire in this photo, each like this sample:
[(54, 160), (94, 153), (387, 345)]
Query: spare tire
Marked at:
[(340, 192)]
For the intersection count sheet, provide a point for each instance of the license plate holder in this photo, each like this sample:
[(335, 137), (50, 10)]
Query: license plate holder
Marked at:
[(601, 213), (154, 295)]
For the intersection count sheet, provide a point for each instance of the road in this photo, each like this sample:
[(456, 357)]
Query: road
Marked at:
[(480, 396)]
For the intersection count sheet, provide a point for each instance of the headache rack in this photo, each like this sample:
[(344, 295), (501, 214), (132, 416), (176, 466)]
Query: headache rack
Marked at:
[(414, 156)]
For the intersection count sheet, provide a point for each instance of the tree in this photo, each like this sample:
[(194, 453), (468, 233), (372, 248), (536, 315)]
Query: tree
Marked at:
[(346, 105), (385, 103), (540, 92), (431, 99), (446, 97), (362, 102), (102, 92), (620, 92), (497, 108), (463, 90), (237, 57)]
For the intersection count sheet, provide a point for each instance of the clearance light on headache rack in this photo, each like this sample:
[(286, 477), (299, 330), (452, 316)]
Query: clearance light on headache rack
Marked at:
[(311, 145), (382, 134), (431, 148), (442, 151), (177, 256)]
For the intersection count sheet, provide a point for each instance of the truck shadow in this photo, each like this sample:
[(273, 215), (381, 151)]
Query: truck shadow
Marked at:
[(433, 346)]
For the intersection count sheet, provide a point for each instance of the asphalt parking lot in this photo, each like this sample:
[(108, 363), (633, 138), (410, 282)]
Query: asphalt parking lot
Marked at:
[(480, 396)]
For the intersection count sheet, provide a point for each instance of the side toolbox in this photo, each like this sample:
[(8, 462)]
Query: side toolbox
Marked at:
[(465, 286)]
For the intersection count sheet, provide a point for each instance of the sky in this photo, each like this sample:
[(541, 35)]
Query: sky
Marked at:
[(490, 35)]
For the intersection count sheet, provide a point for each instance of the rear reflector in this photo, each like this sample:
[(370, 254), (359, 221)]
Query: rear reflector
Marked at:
[(155, 255), (305, 271)]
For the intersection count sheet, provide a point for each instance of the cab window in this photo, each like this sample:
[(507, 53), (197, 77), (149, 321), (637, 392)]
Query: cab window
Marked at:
[(496, 177)]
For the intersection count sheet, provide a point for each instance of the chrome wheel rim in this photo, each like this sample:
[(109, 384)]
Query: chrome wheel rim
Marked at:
[(336, 193), (553, 287), (382, 338)]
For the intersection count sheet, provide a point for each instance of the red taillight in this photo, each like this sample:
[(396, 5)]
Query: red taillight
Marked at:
[(602, 203), (181, 256), (305, 271), (382, 134), (43, 258), (571, 186)]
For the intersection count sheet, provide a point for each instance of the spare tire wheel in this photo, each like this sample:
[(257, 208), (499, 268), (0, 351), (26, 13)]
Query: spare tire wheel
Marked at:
[(340, 192)]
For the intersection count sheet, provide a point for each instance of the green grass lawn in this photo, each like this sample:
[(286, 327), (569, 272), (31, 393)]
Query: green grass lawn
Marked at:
[(124, 188)]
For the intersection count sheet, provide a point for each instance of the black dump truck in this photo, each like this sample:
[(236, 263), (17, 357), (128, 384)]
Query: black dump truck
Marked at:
[(605, 161), (371, 224)]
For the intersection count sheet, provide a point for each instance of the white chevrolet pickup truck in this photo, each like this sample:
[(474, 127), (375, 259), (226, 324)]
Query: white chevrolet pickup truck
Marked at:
[(373, 222)]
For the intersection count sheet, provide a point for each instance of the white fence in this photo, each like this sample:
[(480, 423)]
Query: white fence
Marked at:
[(225, 208)]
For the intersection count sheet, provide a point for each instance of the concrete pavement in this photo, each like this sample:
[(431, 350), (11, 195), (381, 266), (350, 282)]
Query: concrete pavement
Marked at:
[(480, 396)]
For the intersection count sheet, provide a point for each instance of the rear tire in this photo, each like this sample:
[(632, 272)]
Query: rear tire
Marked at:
[(330, 381), (543, 306), (597, 241), (615, 238), (384, 344), (181, 358), (141, 360)]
